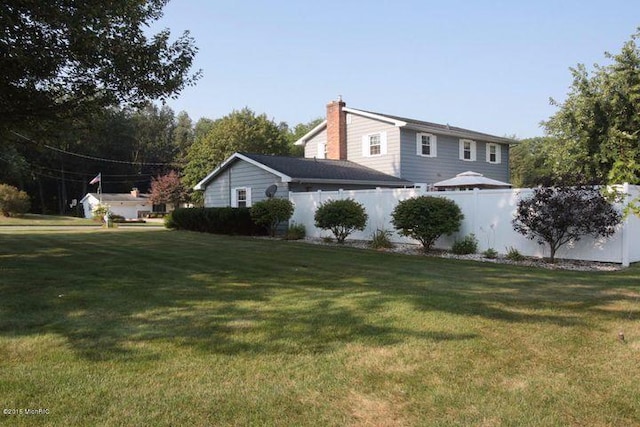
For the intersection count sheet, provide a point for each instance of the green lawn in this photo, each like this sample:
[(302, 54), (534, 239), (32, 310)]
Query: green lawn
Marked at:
[(52, 220), (176, 328)]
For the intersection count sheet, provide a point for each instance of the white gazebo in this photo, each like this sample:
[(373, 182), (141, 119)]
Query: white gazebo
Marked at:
[(468, 181)]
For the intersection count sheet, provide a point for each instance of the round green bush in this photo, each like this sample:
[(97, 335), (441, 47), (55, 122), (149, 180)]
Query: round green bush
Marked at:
[(426, 218), (342, 217), (270, 213)]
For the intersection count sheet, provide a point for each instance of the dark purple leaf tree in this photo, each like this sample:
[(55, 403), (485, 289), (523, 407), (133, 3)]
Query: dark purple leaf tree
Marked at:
[(558, 215), (168, 189)]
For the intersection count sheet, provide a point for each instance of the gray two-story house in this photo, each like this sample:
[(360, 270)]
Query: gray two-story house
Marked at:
[(414, 150), (358, 149)]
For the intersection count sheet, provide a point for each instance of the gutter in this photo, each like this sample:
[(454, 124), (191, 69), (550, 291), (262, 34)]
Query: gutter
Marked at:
[(351, 181)]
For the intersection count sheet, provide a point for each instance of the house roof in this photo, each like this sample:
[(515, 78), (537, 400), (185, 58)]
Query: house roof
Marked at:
[(471, 179), (118, 197), (305, 170), (414, 124)]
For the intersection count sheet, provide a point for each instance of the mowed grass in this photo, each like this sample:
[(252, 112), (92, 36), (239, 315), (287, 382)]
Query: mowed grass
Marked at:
[(175, 328), (49, 220)]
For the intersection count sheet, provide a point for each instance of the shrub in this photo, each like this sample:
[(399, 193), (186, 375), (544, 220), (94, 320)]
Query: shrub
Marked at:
[(426, 218), (99, 211), (381, 239), (13, 201), (341, 217), (468, 245), (490, 253), (559, 215), (513, 254), (169, 223), (270, 213), (296, 232), (156, 214), (117, 218), (233, 221)]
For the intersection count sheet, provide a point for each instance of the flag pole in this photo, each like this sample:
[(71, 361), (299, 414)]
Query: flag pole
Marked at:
[(98, 179)]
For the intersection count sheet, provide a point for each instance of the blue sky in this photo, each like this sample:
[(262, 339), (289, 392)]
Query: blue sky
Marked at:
[(489, 66)]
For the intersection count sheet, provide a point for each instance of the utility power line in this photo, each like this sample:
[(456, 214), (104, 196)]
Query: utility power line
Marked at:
[(99, 159)]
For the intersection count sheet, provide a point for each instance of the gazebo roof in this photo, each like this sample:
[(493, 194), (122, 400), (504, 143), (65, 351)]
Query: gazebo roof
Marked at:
[(471, 179)]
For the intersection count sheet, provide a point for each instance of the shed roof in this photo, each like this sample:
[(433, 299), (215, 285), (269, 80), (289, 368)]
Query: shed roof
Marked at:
[(119, 197)]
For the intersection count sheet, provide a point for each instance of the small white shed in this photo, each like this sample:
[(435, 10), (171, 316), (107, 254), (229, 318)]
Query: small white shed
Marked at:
[(129, 205)]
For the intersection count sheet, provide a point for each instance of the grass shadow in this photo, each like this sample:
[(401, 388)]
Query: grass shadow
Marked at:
[(111, 295)]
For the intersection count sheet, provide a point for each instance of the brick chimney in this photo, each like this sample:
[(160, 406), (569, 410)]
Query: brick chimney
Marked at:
[(135, 192), (336, 130)]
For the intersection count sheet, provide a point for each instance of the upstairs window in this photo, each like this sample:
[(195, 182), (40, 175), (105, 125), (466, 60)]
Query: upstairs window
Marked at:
[(374, 144), (322, 151), (494, 153), (426, 145), (467, 150)]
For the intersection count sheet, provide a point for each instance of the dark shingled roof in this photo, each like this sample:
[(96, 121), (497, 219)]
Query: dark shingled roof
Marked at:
[(299, 168), (444, 128)]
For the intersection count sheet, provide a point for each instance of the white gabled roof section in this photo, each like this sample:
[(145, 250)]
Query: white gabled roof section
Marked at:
[(238, 156), (88, 195), (307, 136), (375, 116)]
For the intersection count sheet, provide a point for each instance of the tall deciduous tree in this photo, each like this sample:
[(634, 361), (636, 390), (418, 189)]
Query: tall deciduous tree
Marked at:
[(154, 132), (528, 162), (300, 130), (598, 125), (183, 135), (241, 130), (63, 58)]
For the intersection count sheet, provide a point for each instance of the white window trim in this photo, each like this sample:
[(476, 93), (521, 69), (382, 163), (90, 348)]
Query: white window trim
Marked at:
[(433, 141), (322, 151), (234, 196), (473, 150), (498, 153), (366, 146)]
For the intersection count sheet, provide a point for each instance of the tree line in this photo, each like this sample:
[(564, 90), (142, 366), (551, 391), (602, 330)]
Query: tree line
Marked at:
[(132, 147)]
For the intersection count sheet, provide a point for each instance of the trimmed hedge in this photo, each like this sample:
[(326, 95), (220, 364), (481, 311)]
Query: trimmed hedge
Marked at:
[(234, 221)]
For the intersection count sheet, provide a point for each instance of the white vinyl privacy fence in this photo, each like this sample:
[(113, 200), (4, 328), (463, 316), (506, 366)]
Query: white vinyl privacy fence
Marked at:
[(487, 214)]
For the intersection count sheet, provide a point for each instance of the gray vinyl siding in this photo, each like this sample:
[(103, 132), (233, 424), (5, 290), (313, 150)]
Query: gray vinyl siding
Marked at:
[(388, 163), (242, 174), (311, 147), (447, 164)]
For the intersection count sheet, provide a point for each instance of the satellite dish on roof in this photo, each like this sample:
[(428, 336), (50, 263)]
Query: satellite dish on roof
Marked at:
[(271, 190)]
